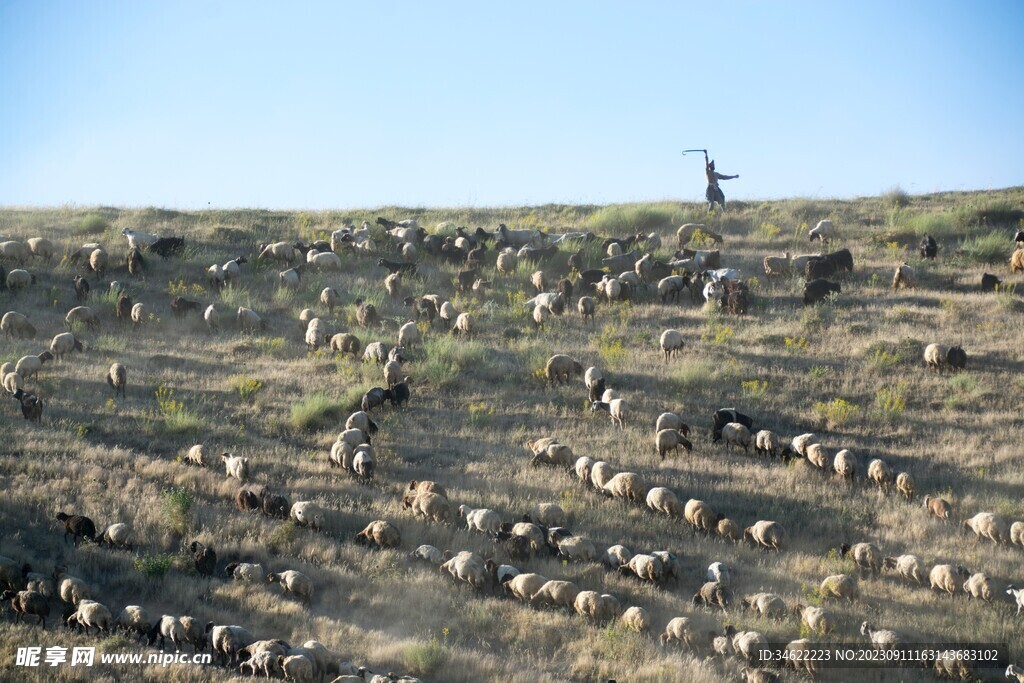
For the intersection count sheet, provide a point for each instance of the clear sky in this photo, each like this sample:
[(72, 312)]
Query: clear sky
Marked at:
[(359, 104)]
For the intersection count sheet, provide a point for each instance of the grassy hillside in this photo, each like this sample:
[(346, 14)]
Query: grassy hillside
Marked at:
[(850, 370)]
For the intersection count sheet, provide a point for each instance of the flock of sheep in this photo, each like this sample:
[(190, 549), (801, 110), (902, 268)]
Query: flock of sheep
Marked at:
[(625, 273)]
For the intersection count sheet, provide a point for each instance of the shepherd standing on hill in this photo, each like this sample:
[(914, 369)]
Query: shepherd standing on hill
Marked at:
[(714, 192)]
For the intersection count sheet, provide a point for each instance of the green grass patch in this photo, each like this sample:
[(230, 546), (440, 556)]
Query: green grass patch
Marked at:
[(319, 411), (623, 219), (987, 248), (154, 566), (837, 412), (176, 509)]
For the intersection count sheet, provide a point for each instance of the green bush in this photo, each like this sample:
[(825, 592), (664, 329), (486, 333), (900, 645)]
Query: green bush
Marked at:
[(987, 248), (154, 566), (176, 508), (633, 218), (91, 224)]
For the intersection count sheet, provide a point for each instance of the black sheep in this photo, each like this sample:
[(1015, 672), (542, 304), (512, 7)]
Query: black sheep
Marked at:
[(81, 288), (78, 526), (1019, 238), (516, 547), (597, 390), (135, 261), (397, 266), (564, 287), (464, 280), (276, 506), (181, 306), (989, 282), (168, 246), (374, 398), (27, 602), (956, 357), (397, 394), (929, 248), (724, 416), (31, 406), (205, 558), (818, 290), (123, 308)]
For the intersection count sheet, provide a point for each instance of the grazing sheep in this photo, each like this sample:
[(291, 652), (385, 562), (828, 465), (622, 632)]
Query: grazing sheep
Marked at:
[(134, 618), (249, 321), (586, 306), (765, 534), (204, 558), (70, 589), (380, 534), (824, 231), (669, 440), (1017, 533), (845, 465), (345, 343), (938, 357), (82, 314), (245, 572), (31, 405), (978, 587), (865, 556), (713, 594), (463, 325), (626, 485), (904, 277), (644, 567), (548, 514), (429, 553), (210, 316), (77, 526), (938, 507), (1018, 596), (881, 638), (235, 466), (98, 263), (699, 515), (988, 525), (556, 594), (409, 335), (724, 416), (678, 629), (481, 519), (598, 608), (778, 265), (736, 433), (307, 513), (25, 603), (296, 583), (117, 378), (671, 421), (728, 529), (17, 326), (905, 485), (663, 500), (19, 279), (839, 586), (117, 536), (767, 605), (1017, 260), (616, 556), (880, 474), (577, 549), (560, 368), (818, 290), (671, 343), (29, 366), (417, 487), (928, 248), (768, 443), (228, 641), (196, 455), (91, 614), (34, 581), (907, 566), (600, 474), (616, 408), (12, 381), (816, 619), (636, 619), (525, 586)]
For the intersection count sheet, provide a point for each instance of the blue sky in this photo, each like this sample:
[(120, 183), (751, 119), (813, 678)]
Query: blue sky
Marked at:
[(359, 104)]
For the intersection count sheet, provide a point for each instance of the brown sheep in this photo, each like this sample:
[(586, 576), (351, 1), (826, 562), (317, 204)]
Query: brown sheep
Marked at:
[(938, 507), (380, 534), (561, 368)]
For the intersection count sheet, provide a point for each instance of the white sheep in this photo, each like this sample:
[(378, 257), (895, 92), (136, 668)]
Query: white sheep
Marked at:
[(118, 535), (904, 277), (1018, 596), (29, 366), (616, 408), (139, 314), (718, 571), (245, 572), (778, 265), (12, 250), (316, 334), (736, 433), (429, 553), (17, 325), (294, 582), (409, 335), (824, 231), (800, 443), (671, 343), (249, 320), (481, 519), (988, 525), (41, 247), (663, 500), (326, 261), (307, 513), (212, 318), (363, 462), (138, 239), (134, 618), (907, 566), (19, 279), (91, 614), (236, 466)]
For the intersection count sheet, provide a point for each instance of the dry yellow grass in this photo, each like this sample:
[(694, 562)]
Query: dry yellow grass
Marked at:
[(475, 402)]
